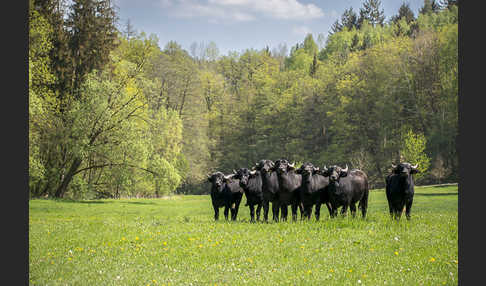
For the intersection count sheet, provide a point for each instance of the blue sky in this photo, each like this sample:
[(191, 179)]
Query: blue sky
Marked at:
[(236, 25)]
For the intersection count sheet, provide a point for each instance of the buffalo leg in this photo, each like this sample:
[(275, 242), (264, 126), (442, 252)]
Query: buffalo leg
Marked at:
[(226, 210), (318, 211), (329, 208), (258, 210), (252, 213), (352, 207), (301, 208), (216, 212), (344, 210), (275, 211), (237, 207), (408, 208), (294, 212), (283, 210), (390, 207), (266, 205)]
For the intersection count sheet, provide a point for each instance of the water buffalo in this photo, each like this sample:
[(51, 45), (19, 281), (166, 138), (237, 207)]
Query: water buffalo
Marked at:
[(225, 192), (251, 182), (289, 184), (346, 189), (313, 190), (269, 188), (400, 189)]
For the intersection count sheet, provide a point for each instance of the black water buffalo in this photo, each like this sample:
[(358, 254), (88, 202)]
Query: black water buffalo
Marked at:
[(346, 189), (400, 189), (289, 187), (313, 190), (225, 192), (251, 182), (269, 188)]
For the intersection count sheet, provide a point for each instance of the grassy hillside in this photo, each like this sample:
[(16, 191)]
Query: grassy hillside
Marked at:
[(175, 241)]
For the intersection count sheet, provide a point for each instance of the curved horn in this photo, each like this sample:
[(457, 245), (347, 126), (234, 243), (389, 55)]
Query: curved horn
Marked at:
[(393, 166), (234, 172), (415, 167), (316, 169), (345, 169), (253, 172), (229, 176), (292, 165), (324, 168)]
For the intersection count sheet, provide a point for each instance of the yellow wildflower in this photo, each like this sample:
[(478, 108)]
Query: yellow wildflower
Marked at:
[(432, 259)]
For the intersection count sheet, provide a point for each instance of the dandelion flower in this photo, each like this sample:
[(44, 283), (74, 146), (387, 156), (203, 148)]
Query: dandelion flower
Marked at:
[(136, 238), (350, 270), (165, 243), (396, 252), (432, 259)]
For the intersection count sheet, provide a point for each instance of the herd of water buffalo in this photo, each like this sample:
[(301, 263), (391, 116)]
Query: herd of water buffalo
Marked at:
[(281, 184)]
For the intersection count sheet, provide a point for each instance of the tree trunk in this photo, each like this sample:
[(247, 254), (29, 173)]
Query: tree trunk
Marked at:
[(61, 190)]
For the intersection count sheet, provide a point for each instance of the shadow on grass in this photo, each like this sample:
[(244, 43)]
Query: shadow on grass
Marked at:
[(80, 202), (139, 203), (437, 194)]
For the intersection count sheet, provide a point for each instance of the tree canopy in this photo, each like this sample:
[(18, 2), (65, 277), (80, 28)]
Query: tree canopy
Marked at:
[(112, 114)]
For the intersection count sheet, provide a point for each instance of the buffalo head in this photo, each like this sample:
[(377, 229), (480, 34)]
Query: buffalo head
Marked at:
[(264, 166), (307, 170), (334, 173), (244, 175), (405, 169), (216, 179), (283, 166)]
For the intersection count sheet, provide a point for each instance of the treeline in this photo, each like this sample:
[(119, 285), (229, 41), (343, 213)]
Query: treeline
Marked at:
[(111, 114)]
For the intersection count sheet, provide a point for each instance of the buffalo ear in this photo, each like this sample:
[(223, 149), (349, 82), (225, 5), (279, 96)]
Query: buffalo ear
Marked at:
[(343, 174), (209, 178), (298, 171)]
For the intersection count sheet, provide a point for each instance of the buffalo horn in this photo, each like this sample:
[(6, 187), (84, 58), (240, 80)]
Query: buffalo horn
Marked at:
[(393, 166), (252, 172), (415, 167), (345, 169)]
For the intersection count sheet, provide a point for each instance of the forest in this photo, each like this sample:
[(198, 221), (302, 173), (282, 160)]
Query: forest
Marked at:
[(112, 114)]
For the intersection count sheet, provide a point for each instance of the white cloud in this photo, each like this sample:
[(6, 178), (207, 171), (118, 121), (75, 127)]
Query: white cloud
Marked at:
[(243, 10)]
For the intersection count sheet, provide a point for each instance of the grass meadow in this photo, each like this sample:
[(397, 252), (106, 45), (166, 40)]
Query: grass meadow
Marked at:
[(175, 241)]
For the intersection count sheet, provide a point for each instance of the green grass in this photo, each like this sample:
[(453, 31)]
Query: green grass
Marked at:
[(176, 242)]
